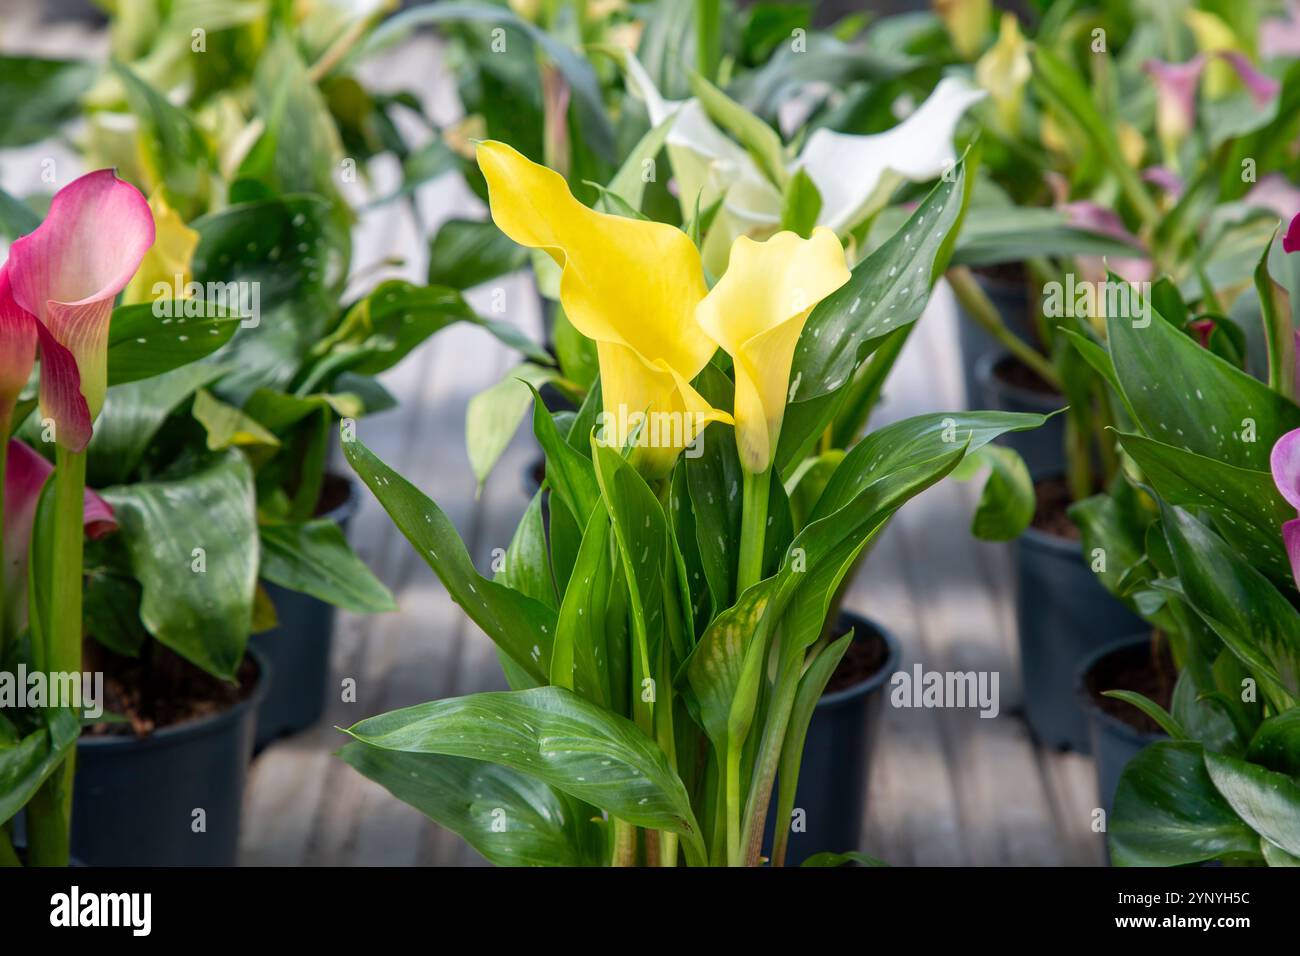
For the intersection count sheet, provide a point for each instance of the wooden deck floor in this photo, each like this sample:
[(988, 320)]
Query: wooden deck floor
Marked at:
[(947, 787)]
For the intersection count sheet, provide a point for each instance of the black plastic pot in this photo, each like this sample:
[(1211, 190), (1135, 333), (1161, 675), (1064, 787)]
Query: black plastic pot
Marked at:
[(1011, 299), (135, 798), (298, 650), (1043, 448), (1063, 616), (833, 775), (1114, 742)]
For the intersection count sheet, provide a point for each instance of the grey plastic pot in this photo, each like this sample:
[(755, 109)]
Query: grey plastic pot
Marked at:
[(1063, 615), (1114, 742), (298, 649), (1042, 448), (836, 765), (1011, 299), (136, 799)]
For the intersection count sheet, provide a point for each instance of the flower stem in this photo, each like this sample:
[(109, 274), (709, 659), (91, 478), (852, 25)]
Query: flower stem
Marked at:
[(708, 38), (624, 843), (753, 530), (985, 314), (50, 811), (5, 610)]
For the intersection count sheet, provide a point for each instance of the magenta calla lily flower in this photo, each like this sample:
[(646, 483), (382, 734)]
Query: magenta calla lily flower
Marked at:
[(1291, 241), (25, 475), (17, 348), (1261, 86), (67, 273), (1089, 215), (1176, 86), (1284, 461)]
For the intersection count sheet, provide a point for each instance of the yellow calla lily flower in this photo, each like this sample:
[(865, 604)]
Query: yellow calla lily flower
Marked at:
[(630, 285), (168, 260), (757, 312), (1004, 70)]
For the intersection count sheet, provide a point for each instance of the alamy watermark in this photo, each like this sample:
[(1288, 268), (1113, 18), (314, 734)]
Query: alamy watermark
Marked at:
[(1084, 299), (653, 429), (192, 300), (63, 689), (948, 689)]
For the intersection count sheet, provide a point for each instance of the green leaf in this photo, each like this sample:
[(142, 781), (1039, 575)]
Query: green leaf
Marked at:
[(554, 735), (1243, 503), (802, 204), (997, 234), (203, 615), (521, 626), (1279, 336), (511, 818), (568, 471), (589, 102), (299, 145), (1153, 710), (174, 147), (466, 253), (228, 427), (887, 290), (28, 763), (842, 859), (38, 96), (16, 217), (1209, 408), (292, 256), (759, 139), (1168, 812), (132, 416), (315, 558), (1268, 801), (1276, 744), (142, 345), (580, 658), (714, 483), (1006, 505), (494, 414), (527, 564), (1248, 613)]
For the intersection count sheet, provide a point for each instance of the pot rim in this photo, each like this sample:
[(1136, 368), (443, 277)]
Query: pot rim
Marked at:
[(1089, 704), (348, 507), (989, 360), (203, 727), (1052, 542), (876, 680)]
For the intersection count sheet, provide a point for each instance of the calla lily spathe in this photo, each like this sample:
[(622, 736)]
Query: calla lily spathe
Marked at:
[(25, 475), (1004, 70), (756, 312), (66, 274), (630, 285), (855, 175), (17, 350)]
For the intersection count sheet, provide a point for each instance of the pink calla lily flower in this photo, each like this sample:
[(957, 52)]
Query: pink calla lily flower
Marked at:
[(1291, 241), (1089, 215), (66, 274), (25, 475), (1285, 465), (17, 349), (1176, 90)]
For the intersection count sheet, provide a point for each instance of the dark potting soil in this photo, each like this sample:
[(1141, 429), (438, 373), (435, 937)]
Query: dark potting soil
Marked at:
[(160, 689), (865, 656), (1011, 371), (1011, 273), (1135, 669), (1051, 501), (333, 494)]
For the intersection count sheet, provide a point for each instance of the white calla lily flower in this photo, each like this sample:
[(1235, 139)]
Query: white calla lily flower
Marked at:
[(855, 175)]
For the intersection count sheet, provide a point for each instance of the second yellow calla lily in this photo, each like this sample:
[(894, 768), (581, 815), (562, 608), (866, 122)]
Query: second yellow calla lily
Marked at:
[(630, 285), (757, 312)]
